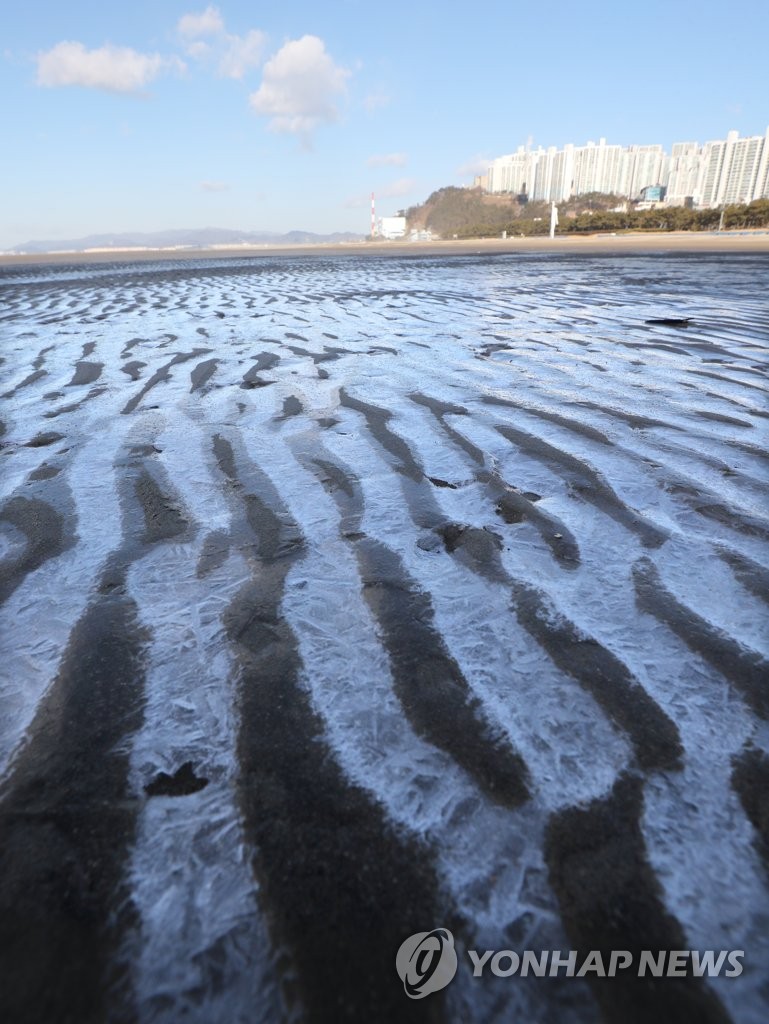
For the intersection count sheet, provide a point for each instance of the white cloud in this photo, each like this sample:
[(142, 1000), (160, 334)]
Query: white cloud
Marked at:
[(234, 55), (241, 53), (300, 87), (207, 23), (114, 68), (214, 186), (198, 49), (388, 160)]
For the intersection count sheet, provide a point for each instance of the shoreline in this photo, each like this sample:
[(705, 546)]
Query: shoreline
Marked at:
[(619, 244)]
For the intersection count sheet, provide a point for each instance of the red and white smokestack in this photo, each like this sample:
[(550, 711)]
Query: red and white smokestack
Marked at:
[(373, 216)]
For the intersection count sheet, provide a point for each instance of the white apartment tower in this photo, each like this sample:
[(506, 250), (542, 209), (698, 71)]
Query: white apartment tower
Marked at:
[(742, 173), (684, 177), (731, 170), (598, 168), (648, 165)]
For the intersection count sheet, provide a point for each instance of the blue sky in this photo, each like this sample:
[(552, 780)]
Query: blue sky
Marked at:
[(157, 114)]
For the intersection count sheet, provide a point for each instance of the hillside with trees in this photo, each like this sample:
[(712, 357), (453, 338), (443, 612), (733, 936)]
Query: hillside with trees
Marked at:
[(470, 213)]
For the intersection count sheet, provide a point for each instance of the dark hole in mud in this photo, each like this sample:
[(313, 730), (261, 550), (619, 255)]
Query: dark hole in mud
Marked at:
[(183, 782)]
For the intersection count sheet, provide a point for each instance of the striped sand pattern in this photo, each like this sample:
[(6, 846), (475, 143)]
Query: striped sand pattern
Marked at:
[(347, 597)]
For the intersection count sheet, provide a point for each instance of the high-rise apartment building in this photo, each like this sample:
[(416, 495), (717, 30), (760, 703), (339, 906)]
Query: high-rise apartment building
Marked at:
[(647, 166), (732, 170), (684, 175), (744, 163)]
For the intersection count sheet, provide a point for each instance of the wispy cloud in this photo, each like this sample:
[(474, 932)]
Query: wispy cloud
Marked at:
[(214, 186), (241, 53), (300, 89), (113, 68), (206, 23), (206, 39), (387, 160)]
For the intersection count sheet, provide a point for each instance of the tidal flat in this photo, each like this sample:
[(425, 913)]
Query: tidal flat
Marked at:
[(344, 597)]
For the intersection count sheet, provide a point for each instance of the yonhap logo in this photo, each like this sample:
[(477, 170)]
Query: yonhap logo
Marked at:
[(426, 962)]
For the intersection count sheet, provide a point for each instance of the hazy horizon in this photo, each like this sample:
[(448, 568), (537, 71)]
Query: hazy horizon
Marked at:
[(171, 116)]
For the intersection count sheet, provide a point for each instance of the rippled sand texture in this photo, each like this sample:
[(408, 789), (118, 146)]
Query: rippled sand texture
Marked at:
[(349, 597)]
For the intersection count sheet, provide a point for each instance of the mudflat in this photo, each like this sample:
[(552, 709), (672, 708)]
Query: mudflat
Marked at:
[(347, 594)]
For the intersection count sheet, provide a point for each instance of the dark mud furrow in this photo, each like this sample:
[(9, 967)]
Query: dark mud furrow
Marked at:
[(377, 420), (214, 553), (29, 379), (699, 499), (441, 410), (610, 899), (746, 670), (587, 483), (85, 373), (291, 407), (47, 535), (511, 505), (45, 438), (264, 361), (340, 887), (67, 822), (200, 375), (575, 426), (417, 489), (163, 518), (428, 683), (37, 373), (719, 417), (515, 507), (750, 780), (73, 406), (752, 576), (634, 420), (66, 813), (653, 736), (162, 374), (735, 381)]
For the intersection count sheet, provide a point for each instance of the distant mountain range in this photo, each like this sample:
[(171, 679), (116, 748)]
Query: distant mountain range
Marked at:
[(193, 238)]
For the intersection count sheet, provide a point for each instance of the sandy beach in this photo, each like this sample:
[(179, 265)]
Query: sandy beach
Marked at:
[(620, 244), (352, 592)]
